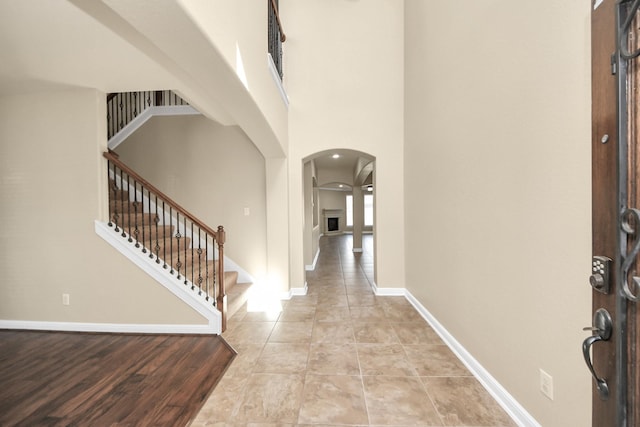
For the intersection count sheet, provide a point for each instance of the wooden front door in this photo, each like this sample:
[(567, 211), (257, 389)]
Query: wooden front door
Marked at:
[(611, 352)]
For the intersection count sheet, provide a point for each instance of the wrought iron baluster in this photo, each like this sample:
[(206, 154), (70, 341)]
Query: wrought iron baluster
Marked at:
[(111, 188), (206, 263), (149, 211), (114, 115), (185, 251), (192, 260), (157, 220), (120, 112), (125, 116), (116, 216), (200, 263), (136, 230), (109, 121), (178, 236), (124, 234), (128, 203), (127, 108), (144, 227), (171, 239), (164, 237)]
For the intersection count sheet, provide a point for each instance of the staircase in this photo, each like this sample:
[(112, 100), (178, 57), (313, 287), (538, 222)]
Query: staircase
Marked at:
[(182, 247)]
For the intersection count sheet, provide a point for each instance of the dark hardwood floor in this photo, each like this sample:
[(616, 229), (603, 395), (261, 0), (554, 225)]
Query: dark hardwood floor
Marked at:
[(87, 379)]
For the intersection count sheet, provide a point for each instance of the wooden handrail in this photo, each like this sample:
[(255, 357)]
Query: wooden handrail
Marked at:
[(115, 159), (283, 37)]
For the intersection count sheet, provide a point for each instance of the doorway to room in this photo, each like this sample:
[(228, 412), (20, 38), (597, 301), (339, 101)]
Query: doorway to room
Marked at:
[(339, 199)]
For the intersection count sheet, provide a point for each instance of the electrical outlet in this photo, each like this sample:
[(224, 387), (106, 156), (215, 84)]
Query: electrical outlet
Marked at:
[(65, 299), (546, 384)]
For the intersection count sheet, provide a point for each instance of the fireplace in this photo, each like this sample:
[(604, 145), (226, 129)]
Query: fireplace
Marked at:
[(333, 220)]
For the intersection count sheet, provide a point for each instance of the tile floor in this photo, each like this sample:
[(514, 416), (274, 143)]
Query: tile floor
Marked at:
[(343, 356)]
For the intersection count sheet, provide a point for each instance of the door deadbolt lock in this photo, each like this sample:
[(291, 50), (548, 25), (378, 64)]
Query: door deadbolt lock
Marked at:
[(600, 278)]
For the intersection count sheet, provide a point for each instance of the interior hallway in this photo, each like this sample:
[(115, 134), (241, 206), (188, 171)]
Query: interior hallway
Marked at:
[(343, 356)]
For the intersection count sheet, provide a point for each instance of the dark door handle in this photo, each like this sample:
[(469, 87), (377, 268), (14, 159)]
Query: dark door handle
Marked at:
[(601, 384), (602, 326)]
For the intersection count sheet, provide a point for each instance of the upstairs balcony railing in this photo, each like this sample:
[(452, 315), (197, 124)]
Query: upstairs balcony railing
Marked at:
[(123, 107), (276, 35)]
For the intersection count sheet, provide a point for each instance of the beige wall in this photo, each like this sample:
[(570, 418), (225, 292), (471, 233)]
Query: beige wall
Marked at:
[(51, 192), (344, 76), (214, 172), (497, 177), (238, 29), (330, 199)]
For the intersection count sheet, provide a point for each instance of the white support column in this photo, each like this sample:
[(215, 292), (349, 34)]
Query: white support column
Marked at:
[(358, 218)]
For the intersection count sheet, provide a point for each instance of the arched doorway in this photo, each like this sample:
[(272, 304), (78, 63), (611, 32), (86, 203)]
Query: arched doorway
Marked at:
[(339, 199)]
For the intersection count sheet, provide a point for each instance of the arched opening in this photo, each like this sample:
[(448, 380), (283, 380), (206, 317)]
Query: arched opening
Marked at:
[(339, 202)]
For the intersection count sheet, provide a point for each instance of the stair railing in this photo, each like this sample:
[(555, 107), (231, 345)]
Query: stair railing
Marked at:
[(276, 35), (148, 219), (123, 107)]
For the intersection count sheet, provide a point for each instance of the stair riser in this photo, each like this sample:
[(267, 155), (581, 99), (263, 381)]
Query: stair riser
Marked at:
[(124, 219), (126, 207), (167, 245), (190, 260), (118, 194), (230, 277), (151, 233)]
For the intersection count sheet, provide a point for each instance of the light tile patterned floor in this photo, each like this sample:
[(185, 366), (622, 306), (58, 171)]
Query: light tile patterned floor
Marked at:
[(343, 356)]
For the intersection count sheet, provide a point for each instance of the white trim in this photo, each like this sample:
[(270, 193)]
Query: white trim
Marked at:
[(149, 266), (299, 291), (286, 295), (313, 265), (357, 250), (388, 292), (276, 78), (160, 110), (105, 327), (499, 393)]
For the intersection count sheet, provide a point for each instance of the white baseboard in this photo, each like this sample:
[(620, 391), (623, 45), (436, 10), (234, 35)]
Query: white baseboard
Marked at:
[(294, 292), (315, 261), (117, 328), (499, 393), (388, 292)]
